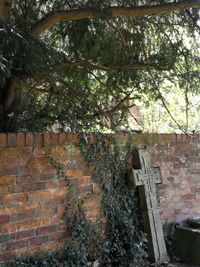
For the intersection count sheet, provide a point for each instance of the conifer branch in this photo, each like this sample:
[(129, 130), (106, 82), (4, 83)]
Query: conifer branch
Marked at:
[(114, 11)]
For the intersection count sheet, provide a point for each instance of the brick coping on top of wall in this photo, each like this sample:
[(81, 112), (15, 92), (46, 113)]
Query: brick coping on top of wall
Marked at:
[(53, 139)]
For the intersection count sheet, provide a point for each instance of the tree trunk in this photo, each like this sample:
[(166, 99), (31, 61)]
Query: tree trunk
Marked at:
[(7, 94), (5, 6), (6, 100)]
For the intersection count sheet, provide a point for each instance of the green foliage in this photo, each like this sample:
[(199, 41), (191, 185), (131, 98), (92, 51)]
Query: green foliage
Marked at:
[(81, 97), (169, 233), (124, 242), (118, 242), (184, 108), (53, 260), (85, 236), (18, 48)]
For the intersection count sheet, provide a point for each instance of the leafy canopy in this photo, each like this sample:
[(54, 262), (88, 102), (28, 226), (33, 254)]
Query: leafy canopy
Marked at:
[(86, 72)]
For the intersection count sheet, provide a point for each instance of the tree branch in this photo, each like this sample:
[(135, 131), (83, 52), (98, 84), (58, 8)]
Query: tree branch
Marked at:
[(29, 88), (115, 11), (114, 67), (9, 92), (115, 28)]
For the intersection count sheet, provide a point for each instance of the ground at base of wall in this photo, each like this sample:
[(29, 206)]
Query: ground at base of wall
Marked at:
[(174, 265), (181, 265)]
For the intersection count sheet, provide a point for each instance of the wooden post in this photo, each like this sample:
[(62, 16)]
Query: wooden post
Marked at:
[(145, 179)]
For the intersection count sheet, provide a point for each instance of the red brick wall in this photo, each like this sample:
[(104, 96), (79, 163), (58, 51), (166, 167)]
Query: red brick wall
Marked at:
[(179, 159), (35, 194)]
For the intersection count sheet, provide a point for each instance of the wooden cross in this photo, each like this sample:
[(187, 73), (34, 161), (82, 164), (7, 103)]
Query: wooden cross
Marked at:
[(145, 178)]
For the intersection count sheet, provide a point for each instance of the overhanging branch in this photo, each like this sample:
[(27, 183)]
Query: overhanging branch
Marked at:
[(115, 11), (85, 64)]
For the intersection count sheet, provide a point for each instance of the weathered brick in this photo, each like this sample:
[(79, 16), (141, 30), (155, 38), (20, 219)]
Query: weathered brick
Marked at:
[(14, 198), (3, 140), (51, 185), (54, 202), (47, 139), (38, 139), (179, 138), (73, 138), (46, 176), (62, 138), (54, 139), (3, 190), (25, 179), (38, 240), (46, 212), (85, 180), (74, 173), (46, 230), (23, 216), (4, 219), (171, 179), (93, 212), (4, 238), (61, 192), (23, 152), (91, 204), (12, 140), (63, 227), (40, 195), (31, 169), (21, 142), (23, 234), (8, 255), (87, 196), (39, 151), (57, 152), (179, 165), (16, 245), (15, 188), (54, 246), (9, 210), (57, 236), (173, 138), (63, 182), (187, 197), (9, 169), (34, 187), (26, 251), (183, 138), (29, 224), (39, 160), (197, 189), (29, 139), (7, 180), (195, 171), (61, 211)]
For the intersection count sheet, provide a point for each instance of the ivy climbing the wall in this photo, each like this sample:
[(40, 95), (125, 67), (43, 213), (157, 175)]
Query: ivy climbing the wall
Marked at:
[(123, 243), (116, 240)]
